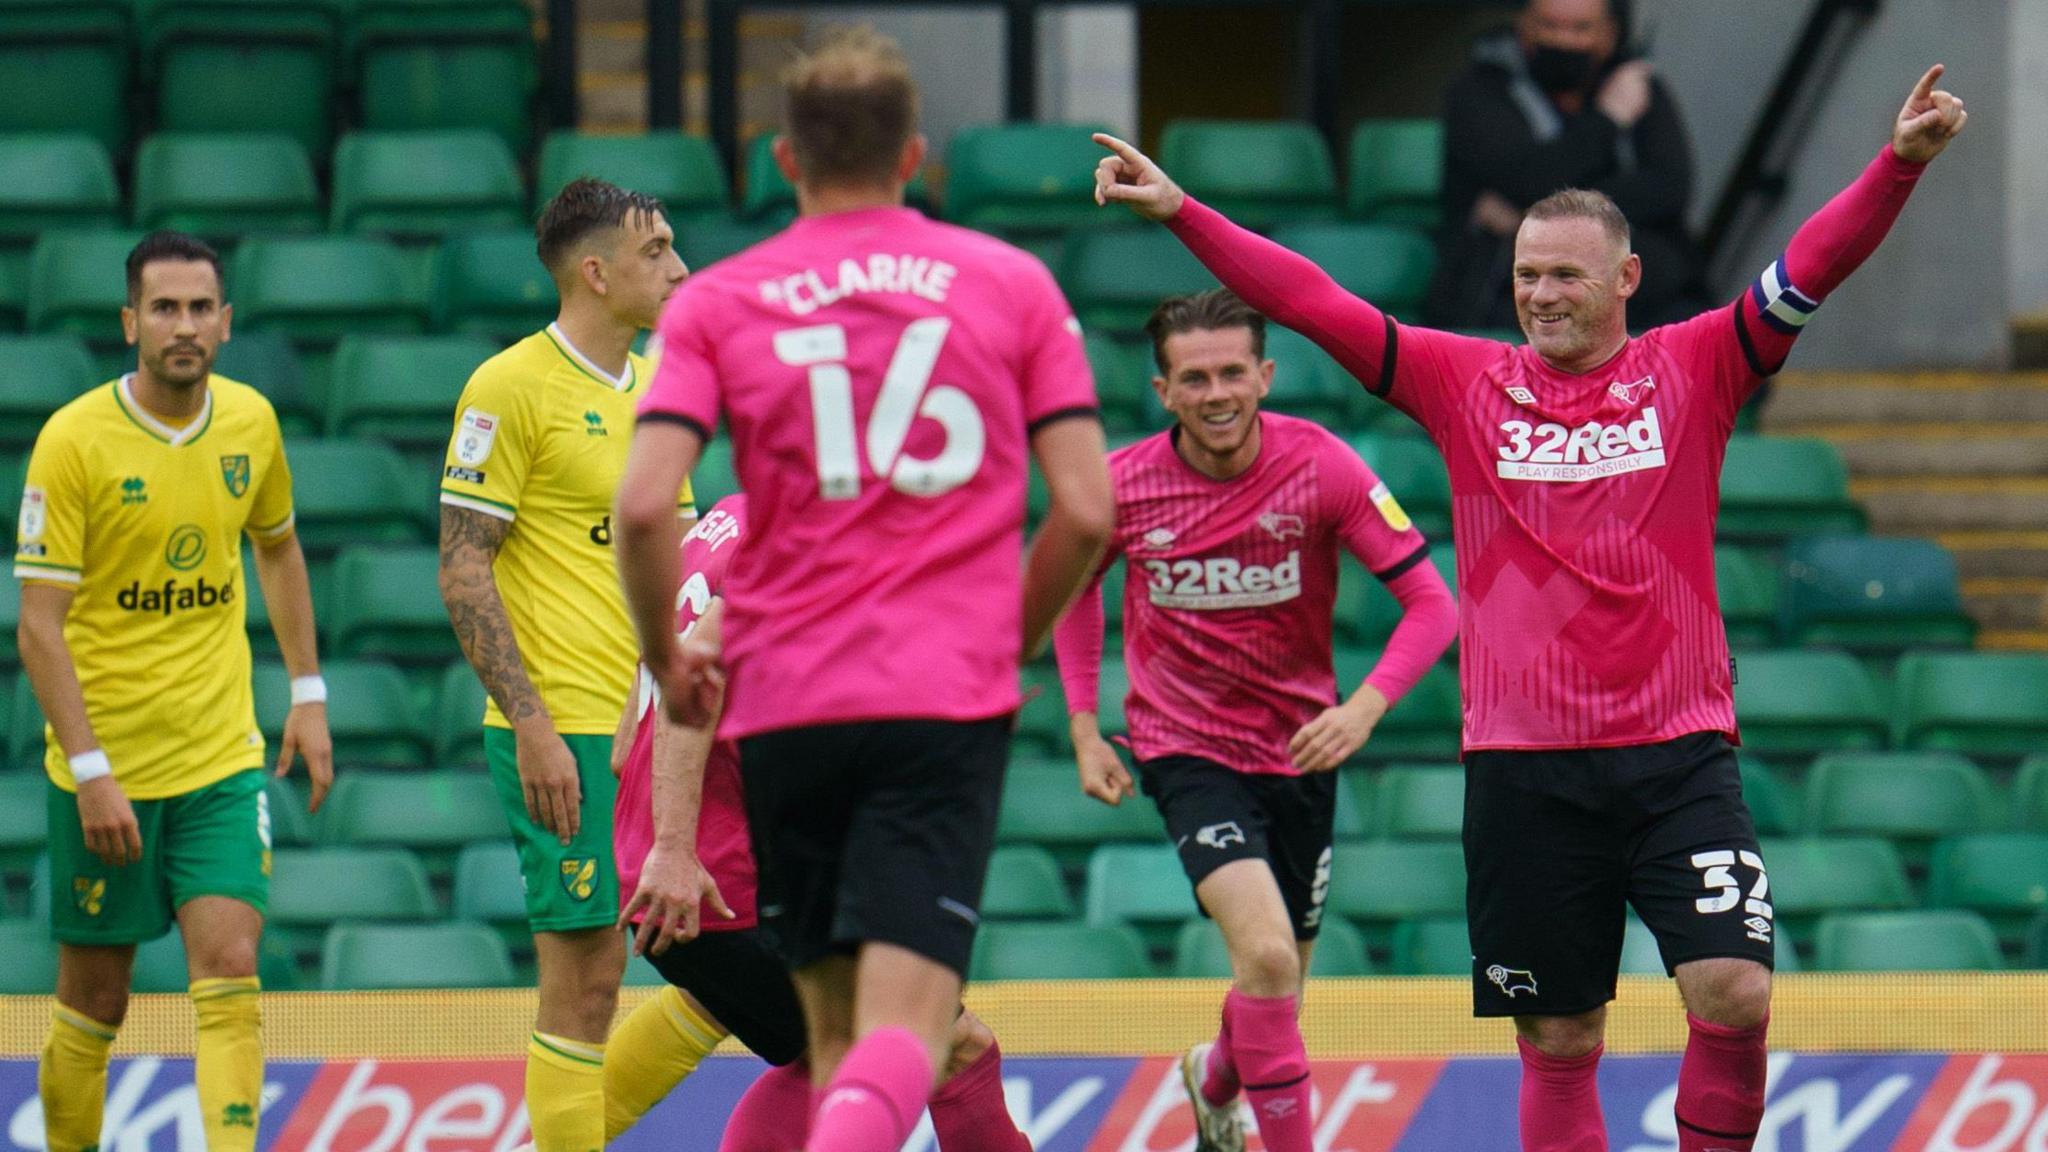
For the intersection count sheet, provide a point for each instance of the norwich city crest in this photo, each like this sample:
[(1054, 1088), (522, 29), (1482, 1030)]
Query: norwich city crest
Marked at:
[(88, 893), (579, 876), (234, 472)]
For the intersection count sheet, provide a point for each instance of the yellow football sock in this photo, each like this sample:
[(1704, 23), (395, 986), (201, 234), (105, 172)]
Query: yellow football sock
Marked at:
[(565, 1094), (229, 1063), (72, 1080), (660, 1042)]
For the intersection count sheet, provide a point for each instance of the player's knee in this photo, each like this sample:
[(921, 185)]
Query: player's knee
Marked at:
[(225, 959), (106, 1005), (1730, 993), (1268, 967), (1563, 1037)]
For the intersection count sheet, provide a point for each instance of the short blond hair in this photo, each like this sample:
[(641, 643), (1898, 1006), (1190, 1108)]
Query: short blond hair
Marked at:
[(851, 106), (1584, 204)]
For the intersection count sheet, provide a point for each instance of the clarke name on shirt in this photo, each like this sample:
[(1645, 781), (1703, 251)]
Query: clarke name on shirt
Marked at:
[(809, 290)]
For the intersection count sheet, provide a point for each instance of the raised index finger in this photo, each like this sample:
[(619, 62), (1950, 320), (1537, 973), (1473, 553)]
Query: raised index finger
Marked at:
[(1121, 148), (1925, 88)]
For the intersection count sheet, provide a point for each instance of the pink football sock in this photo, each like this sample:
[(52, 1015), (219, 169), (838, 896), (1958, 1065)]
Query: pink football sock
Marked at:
[(969, 1113), (876, 1097), (1721, 1087), (1220, 1084), (775, 1113), (1265, 1042), (1561, 1102)]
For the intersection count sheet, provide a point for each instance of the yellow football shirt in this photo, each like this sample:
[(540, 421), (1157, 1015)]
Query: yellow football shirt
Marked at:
[(145, 521), (540, 439)]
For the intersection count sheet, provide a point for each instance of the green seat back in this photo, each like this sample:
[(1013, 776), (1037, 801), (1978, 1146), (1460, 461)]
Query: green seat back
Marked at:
[(1024, 883), (354, 492), (2037, 942), (291, 826), (225, 185), (24, 822), (24, 728), (1873, 595), (1426, 725), (1396, 172), (493, 284), (401, 389), (369, 712), (1382, 881), (1306, 381), (31, 968), (267, 362), (1983, 704), (1043, 804), (1414, 472), (2001, 875), (425, 183), (55, 181), (1259, 173), (387, 605), (427, 812), (1420, 802), (315, 887), (1640, 955), (1199, 952), (706, 240), (1915, 797), (1747, 583), (1068, 951), (78, 283), (1800, 704), (447, 64), (1123, 382), (1934, 941), (1432, 946), (1042, 719), (242, 67), (1366, 613), (1023, 177), (459, 718), (1115, 277), (384, 956), (2030, 794), (256, 609), (713, 479), (683, 172), (489, 887), (1386, 264), (1139, 884), (317, 289), (67, 67), (1810, 878), (1775, 487), (38, 375), (10, 624), (1773, 804)]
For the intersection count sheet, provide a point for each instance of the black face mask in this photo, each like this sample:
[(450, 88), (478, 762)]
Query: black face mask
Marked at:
[(1562, 69)]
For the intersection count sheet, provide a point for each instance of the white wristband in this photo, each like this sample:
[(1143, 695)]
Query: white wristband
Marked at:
[(308, 690), (87, 767)]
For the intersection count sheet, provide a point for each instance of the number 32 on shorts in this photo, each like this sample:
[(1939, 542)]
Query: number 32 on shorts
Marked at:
[(1717, 873)]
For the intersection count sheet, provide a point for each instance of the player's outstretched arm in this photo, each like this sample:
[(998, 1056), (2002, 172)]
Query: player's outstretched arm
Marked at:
[(646, 537), (1078, 522), (288, 596), (108, 820), (1289, 288)]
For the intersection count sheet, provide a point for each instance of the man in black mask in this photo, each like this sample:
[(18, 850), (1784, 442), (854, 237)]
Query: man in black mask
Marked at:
[(1559, 103)]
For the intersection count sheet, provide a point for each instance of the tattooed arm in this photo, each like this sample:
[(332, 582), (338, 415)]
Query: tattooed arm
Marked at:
[(470, 541)]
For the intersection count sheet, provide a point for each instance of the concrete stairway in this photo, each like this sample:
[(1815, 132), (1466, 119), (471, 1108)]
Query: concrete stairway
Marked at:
[(612, 78), (1960, 457)]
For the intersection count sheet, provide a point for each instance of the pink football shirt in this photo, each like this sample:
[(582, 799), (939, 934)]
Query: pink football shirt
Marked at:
[(879, 374), (1229, 593), (722, 844)]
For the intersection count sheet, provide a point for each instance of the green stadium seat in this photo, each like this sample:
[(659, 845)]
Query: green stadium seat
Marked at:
[(1640, 955), (1776, 487), (1112, 690), (1259, 173), (24, 824), (432, 813), (683, 172), (256, 609), (312, 888), (1747, 583), (24, 727), (705, 241), (388, 607), (2037, 942), (1874, 596), (1773, 804), (1200, 954), (1396, 172), (1123, 382), (225, 185), (12, 480), (369, 712), (1024, 883), (13, 289), (1379, 882), (291, 826), (1935, 941), (1034, 178), (41, 374), (31, 968), (53, 182), (1042, 719), (1043, 804), (1414, 472), (1383, 263), (1113, 603), (493, 284), (390, 956), (66, 66), (1910, 798), (39, 889), (353, 492), (713, 479), (10, 624), (1431, 946), (401, 389), (1142, 885), (425, 184), (1420, 802), (1115, 277), (1982, 704), (1798, 704), (1428, 723), (2002, 876), (317, 289), (78, 283), (1306, 381), (1067, 951), (2030, 794), (254, 66), (267, 362), (1811, 878), (458, 718), (160, 966), (489, 887), (1366, 613), (448, 64)]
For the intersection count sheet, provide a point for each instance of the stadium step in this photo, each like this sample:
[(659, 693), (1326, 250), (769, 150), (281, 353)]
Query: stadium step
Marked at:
[(611, 49)]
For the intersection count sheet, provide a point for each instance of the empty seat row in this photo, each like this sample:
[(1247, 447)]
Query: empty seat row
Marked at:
[(1981, 704)]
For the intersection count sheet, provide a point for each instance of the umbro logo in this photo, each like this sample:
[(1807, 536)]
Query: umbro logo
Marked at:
[(1159, 538), (1521, 395)]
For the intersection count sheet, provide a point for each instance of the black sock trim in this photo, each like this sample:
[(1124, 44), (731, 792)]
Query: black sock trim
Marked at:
[(1276, 1087), (1684, 1123)]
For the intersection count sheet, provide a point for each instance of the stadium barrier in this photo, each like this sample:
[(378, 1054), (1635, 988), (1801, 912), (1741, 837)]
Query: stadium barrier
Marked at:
[(1902, 1062)]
